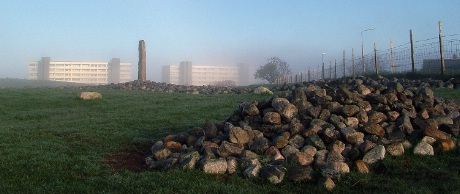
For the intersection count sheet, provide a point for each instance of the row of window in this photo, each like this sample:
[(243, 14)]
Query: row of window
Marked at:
[(79, 79), (78, 65), (77, 74)]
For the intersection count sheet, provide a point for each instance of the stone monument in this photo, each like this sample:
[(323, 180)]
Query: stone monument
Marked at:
[(142, 62)]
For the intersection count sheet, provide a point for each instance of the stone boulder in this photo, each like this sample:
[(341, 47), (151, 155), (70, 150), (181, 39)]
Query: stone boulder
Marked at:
[(90, 96), (262, 90)]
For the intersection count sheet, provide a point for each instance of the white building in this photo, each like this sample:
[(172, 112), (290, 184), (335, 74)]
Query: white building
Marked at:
[(171, 74), (188, 74), (85, 72)]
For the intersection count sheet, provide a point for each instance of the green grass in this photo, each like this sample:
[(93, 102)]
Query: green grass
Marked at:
[(24, 83), (52, 142)]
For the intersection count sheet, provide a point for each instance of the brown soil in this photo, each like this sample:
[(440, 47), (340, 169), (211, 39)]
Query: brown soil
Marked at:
[(132, 160)]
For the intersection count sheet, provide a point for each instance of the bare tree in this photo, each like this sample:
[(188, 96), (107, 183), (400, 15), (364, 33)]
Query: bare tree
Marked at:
[(272, 70)]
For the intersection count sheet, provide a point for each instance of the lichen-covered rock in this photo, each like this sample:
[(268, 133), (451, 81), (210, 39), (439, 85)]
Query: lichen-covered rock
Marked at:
[(395, 149), (447, 145), (90, 96), (215, 166), (262, 90), (162, 154), (173, 146), (259, 145), (232, 165), (350, 110), (282, 140), (273, 173), (189, 160), (274, 154), (239, 136), (424, 149), (352, 136), (329, 184), (377, 117), (375, 129), (374, 155), (272, 118), (297, 141), (250, 109), (252, 170), (229, 149), (286, 109), (361, 167), (302, 158)]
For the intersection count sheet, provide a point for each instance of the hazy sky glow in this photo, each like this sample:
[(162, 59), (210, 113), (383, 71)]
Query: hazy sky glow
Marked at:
[(208, 32)]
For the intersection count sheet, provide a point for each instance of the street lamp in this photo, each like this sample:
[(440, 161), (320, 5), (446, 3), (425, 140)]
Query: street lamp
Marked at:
[(322, 69), (362, 47)]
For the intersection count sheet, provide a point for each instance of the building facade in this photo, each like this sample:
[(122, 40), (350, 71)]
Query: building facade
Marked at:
[(84, 72), (170, 74), (187, 74)]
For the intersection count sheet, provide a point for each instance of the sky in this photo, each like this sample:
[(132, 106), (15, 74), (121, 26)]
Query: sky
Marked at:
[(209, 32)]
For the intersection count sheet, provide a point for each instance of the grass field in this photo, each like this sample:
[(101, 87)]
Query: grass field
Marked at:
[(52, 142)]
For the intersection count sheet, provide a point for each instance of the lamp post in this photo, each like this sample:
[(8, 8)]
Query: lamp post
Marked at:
[(322, 69), (362, 48)]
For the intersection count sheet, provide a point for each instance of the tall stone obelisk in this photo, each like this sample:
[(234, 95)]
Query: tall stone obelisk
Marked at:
[(142, 62)]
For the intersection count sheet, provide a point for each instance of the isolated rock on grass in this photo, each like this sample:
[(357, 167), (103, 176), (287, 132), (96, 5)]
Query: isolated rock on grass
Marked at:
[(262, 90), (90, 96)]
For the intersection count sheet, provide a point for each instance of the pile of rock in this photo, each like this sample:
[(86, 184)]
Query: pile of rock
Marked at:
[(172, 88), (320, 131)]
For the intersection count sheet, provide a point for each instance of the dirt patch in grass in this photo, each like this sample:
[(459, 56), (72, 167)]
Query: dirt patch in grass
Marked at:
[(129, 159)]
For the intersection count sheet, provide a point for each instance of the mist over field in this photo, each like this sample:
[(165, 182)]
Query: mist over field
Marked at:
[(209, 32), (229, 96)]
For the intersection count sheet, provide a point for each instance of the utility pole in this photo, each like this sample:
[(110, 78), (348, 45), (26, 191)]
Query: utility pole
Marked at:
[(322, 60), (330, 69), (335, 68), (362, 58), (441, 47), (412, 51), (362, 48), (375, 60), (343, 63), (353, 62), (392, 61)]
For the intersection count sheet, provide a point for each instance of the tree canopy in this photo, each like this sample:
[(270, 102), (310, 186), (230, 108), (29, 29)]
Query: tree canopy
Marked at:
[(272, 70)]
